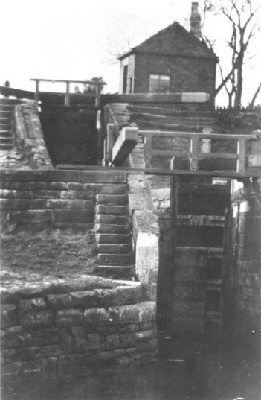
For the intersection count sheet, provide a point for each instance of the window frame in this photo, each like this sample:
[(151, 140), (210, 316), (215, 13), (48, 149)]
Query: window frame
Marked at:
[(159, 82)]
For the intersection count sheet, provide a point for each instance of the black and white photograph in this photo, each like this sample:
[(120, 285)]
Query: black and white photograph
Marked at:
[(130, 199)]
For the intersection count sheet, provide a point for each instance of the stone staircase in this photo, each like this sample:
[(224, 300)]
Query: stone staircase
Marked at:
[(113, 233), (6, 114)]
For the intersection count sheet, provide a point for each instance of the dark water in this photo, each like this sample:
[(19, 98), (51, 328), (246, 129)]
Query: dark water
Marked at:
[(184, 371)]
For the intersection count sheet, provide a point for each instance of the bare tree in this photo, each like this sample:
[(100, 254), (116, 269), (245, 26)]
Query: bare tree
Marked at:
[(242, 18)]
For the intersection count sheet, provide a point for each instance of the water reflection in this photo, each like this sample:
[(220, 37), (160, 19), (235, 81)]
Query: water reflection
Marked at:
[(185, 370)]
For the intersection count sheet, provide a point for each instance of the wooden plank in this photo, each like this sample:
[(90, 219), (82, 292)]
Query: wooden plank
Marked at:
[(110, 140), (200, 156), (67, 95), (164, 98), (241, 151), (127, 139), (167, 172), (194, 148), (199, 134), (148, 151)]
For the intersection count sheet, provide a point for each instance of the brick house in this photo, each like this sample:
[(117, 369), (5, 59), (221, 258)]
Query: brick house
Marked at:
[(172, 60)]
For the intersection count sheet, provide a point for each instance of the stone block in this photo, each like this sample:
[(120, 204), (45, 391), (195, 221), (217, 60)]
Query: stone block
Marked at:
[(80, 195), (106, 176), (118, 199), (144, 335), (96, 316), (46, 194), (114, 248), (79, 338), (34, 304), (41, 337), (147, 311), (8, 315), (129, 314), (113, 238), (75, 186), (112, 228), (127, 340), (113, 189), (33, 353), (112, 209), (73, 216), (128, 295), (112, 342), (12, 370), (56, 203), (69, 317), (94, 341), (60, 301), (35, 319), (86, 299), (106, 297), (30, 217), (21, 204), (112, 219), (116, 259), (81, 204)]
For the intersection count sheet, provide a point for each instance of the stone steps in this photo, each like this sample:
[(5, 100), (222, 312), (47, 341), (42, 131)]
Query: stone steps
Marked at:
[(113, 233), (6, 114)]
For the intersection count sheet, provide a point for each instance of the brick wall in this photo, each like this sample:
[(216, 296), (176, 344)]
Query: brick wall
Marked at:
[(186, 74), (57, 329)]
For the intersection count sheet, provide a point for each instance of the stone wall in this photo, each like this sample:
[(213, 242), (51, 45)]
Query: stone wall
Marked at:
[(59, 328), (29, 138), (145, 234), (52, 198)]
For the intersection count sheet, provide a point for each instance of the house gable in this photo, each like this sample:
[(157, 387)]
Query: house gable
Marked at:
[(174, 40)]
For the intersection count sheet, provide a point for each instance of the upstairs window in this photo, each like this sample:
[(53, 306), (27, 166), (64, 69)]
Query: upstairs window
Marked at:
[(159, 83)]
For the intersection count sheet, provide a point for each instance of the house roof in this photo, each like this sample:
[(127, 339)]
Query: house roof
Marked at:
[(173, 40)]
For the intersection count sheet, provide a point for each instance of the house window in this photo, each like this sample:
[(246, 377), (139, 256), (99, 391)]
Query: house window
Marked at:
[(159, 83)]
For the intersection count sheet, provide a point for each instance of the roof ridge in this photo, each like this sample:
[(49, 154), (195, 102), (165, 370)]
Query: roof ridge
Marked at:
[(175, 25)]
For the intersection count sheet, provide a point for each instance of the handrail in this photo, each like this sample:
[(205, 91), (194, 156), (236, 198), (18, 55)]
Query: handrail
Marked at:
[(202, 135), (195, 154), (97, 84)]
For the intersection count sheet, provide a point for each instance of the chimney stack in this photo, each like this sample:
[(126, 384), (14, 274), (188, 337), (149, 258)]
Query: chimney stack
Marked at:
[(195, 20)]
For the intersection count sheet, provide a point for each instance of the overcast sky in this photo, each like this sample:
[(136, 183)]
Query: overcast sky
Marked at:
[(66, 39)]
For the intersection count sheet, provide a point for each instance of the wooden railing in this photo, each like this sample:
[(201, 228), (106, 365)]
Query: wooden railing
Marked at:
[(195, 154), (97, 85)]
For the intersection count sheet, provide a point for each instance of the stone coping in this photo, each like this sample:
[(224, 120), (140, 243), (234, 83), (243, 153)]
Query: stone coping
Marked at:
[(85, 283)]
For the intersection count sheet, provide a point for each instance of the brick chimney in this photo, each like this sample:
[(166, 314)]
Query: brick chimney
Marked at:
[(195, 20)]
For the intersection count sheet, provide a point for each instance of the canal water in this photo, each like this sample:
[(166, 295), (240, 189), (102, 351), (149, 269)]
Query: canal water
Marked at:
[(184, 370)]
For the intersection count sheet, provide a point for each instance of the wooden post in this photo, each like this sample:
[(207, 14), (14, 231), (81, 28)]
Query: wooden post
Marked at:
[(67, 95), (37, 90), (98, 95), (241, 152), (174, 203), (110, 141), (148, 151), (194, 148)]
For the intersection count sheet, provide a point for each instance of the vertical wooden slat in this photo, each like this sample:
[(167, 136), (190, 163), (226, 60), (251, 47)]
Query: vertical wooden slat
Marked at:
[(67, 95), (148, 151), (37, 90), (110, 141), (194, 149), (241, 152)]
